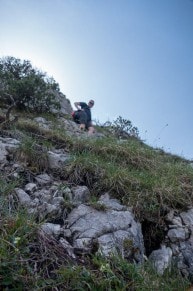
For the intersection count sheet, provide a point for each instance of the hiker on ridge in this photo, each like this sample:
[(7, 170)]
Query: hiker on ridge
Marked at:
[(83, 115)]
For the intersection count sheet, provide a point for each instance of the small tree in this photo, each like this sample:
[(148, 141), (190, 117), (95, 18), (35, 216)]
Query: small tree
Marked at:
[(122, 125), (30, 88), (122, 128)]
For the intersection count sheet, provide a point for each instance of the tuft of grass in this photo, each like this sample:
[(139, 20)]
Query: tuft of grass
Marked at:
[(56, 137), (16, 232), (117, 274), (32, 155), (83, 170), (7, 186)]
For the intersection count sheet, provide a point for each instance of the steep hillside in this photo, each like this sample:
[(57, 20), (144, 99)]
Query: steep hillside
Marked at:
[(89, 212)]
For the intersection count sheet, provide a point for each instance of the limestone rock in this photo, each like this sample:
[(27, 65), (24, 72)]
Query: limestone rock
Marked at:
[(51, 229), (24, 198), (187, 217), (30, 187), (114, 231), (178, 234), (7, 145), (161, 259), (66, 107), (57, 160), (111, 203), (43, 179), (80, 194), (42, 122)]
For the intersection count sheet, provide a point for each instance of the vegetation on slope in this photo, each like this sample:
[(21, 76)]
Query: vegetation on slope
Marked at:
[(27, 87), (148, 180)]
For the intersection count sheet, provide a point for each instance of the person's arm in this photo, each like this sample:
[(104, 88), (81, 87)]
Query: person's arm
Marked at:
[(77, 105)]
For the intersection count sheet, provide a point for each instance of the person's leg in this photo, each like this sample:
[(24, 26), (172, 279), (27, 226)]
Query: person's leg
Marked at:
[(91, 130), (82, 120), (90, 127), (82, 126)]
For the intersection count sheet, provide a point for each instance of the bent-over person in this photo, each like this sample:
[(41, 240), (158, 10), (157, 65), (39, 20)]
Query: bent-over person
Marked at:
[(83, 115)]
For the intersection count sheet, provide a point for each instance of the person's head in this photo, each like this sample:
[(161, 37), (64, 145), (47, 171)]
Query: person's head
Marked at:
[(91, 103)]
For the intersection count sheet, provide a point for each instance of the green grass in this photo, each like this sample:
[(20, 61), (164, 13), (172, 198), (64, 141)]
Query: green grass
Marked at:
[(17, 230), (146, 179), (116, 274), (133, 172), (34, 156)]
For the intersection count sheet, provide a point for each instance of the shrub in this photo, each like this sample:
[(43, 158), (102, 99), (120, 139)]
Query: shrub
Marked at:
[(27, 87), (121, 128)]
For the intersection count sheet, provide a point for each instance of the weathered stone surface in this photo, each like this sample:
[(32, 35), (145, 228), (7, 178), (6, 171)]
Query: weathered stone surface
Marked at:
[(80, 194), (161, 259), (51, 210), (30, 187), (111, 203), (70, 126), (43, 123), (7, 145), (66, 232), (51, 229), (24, 198), (182, 242), (58, 201), (57, 160), (43, 179), (176, 235), (187, 257), (187, 217), (65, 104), (173, 219), (175, 249), (114, 231), (66, 245), (43, 194)]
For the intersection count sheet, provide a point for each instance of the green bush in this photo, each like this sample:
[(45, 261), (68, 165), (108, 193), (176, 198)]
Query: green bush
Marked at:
[(122, 128), (121, 125), (27, 87)]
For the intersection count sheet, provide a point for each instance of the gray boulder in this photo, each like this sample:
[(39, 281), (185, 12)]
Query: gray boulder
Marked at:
[(57, 160), (161, 259), (23, 197), (43, 123), (66, 107), (7, 145), (43, 179), (80, 194), (113, 231)]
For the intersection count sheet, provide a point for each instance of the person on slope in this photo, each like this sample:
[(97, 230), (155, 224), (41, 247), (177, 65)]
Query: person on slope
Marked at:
[(83, 115)]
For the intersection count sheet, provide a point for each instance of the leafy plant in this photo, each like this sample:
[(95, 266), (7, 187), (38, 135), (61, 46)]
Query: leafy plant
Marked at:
[(122, 128), (30, 88)]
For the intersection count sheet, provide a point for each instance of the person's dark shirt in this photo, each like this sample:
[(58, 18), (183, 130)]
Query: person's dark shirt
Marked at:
[(86, 108)]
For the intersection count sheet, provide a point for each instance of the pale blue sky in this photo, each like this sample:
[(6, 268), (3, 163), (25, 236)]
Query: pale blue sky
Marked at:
[(133, 57)]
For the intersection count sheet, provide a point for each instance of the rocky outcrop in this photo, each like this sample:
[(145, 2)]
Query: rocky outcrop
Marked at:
[(66, 107), (7, 145), (105, 226), (111, 231), (177, 247), (161, 259)]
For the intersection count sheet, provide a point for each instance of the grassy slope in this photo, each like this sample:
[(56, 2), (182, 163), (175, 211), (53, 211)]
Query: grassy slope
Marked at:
[(146, 179)]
